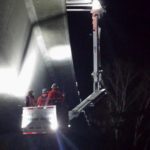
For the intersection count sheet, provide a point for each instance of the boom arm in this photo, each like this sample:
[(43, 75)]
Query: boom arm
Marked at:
[(79, 108), (95, 9)]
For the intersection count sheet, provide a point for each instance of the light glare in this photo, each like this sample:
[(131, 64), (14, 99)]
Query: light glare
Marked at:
[(96, 5), (26, 75), (69, 125), (60, 52), (25, 122), (8, 77), (54, 123), (14, 84), (54, 126)]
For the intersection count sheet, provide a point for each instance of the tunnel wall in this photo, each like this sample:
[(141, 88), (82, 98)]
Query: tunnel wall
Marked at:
[(21, 49)]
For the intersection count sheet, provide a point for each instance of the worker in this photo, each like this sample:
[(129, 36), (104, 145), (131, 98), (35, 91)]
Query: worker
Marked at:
[(43, 98), (30, 99), (55, 96)]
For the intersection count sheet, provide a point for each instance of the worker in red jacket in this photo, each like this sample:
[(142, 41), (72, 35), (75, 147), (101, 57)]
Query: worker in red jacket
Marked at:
[(43, 98), (30, 99), (55, 96)]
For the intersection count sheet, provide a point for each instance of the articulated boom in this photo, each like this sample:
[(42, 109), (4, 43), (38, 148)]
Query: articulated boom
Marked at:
[(94, 7)]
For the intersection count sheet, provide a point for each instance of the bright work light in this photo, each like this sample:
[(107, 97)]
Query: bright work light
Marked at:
[(96, 5), (54, 125), (60, 52)]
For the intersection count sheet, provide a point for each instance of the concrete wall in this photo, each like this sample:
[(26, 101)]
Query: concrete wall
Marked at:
[(29, 31)]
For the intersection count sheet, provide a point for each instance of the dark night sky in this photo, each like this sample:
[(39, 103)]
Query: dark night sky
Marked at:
[(80, 29), (126, 30)]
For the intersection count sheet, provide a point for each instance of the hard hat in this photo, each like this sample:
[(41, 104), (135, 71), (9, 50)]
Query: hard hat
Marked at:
[(30, 92), (54, 85), (44, 90)]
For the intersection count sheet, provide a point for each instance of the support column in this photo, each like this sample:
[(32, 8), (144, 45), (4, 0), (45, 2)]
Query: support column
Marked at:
[(96, 52)]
